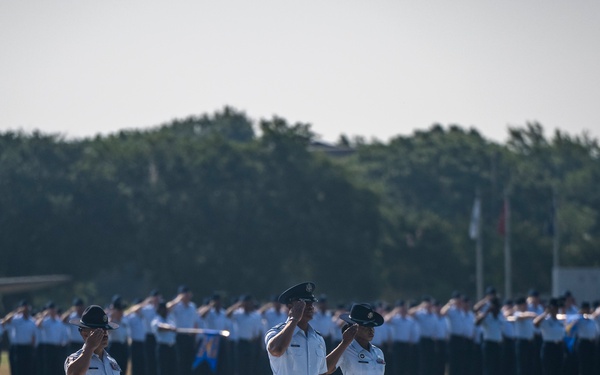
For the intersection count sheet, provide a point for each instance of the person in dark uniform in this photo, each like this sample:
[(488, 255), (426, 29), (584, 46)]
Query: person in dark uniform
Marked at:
[(553, 332), (22, 334), (92, 358), (117, 339)]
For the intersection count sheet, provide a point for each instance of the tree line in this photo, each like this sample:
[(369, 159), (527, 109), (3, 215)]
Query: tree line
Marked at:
[(219, 202)]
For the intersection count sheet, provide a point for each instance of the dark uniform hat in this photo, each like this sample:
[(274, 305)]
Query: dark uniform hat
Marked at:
[(303, 291), (94, 317), (183, 289), (363, 315)]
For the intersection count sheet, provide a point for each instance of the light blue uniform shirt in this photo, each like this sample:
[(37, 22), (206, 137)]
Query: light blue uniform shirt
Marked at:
[(185, 316), (105, 366), (552, 329), (586, 329), (403, 328), (22, 331), (163, 337), (305, 355), (136, 329), (53, 331), (357, 361), (492, 327), (427, 322), (455, 319), (524, 328)]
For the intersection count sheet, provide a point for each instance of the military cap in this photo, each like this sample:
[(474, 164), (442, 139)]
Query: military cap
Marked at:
[(183, 289), (94, 317), (363, 315), (302, 291)]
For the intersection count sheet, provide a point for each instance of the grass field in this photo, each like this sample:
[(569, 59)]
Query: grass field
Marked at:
[(4, 364)]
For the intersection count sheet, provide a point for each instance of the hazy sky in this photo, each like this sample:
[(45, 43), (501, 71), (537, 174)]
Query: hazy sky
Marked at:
[(374, 68)]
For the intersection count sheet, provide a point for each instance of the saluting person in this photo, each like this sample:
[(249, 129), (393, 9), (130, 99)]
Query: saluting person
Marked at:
[(117, 339), (22, 335), (92, 358), (53, 335), (362, 357), (164, 329), (553, 332), (294, 347)]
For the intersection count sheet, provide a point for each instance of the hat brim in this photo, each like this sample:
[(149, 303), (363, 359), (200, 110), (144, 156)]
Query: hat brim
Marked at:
[(80, 324), (300, 291), (375, 322), (287, 299)]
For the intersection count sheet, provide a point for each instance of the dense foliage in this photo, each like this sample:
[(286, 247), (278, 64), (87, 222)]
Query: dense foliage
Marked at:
[(214, 203)]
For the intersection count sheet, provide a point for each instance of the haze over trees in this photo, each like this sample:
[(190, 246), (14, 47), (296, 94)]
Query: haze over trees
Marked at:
[(220, 203)]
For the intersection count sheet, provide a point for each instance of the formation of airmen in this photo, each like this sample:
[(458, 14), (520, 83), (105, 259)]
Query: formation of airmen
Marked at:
[(525, 336)]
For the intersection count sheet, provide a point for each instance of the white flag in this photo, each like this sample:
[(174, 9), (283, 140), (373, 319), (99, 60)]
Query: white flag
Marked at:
[(475, 217)]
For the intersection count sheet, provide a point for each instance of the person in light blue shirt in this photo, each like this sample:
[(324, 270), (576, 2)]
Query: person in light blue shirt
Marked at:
[(294, 347), (491, 321), (185, 315), (92, 358), (553, 332), (524, 334), (165, 331), (362, 357), (136, 331), (52, 340), (586, 334), (22, 336)]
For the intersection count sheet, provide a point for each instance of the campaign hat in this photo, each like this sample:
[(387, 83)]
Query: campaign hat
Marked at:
[(303, 291), (363, 315), (94, 317)]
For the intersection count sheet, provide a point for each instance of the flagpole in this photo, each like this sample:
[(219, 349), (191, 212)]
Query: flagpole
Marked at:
[(507, 253), (479, 252), (555, 243), (475, 234)]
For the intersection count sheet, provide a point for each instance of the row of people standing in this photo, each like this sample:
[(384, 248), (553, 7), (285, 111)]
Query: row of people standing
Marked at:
[(424, 338), (39, 344)]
